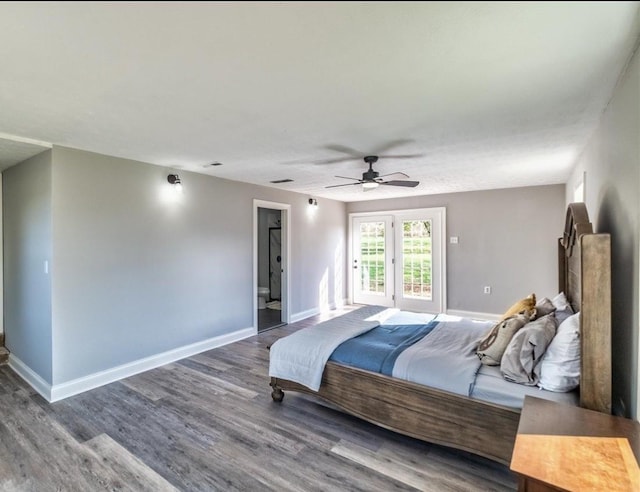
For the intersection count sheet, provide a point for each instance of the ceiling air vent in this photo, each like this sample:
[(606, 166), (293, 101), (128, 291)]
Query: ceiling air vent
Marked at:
[(277, 181)]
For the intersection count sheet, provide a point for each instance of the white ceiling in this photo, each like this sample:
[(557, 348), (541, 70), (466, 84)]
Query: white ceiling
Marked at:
[(491, 95)]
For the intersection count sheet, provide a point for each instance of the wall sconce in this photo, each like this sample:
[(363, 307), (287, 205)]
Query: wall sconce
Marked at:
[(313, 202), (174, 179)]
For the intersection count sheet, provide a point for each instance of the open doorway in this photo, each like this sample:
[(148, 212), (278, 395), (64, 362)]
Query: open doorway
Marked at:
[(271, 233)]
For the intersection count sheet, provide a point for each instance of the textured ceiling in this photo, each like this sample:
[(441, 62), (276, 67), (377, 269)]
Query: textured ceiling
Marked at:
[(487, 95)]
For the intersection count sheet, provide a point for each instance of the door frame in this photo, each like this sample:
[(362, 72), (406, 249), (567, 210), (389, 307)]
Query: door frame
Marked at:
[(443, 245), (285, 290)]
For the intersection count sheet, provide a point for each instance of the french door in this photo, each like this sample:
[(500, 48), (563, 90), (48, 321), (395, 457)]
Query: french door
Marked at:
[(398, 260), (373, 260)]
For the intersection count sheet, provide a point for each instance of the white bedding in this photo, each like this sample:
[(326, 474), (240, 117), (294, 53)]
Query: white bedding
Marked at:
[(446, 358), (301, 356)]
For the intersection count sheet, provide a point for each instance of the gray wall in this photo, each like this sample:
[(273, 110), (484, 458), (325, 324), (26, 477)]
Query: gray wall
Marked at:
[(26, 191), (137, 274), (507, 240), (612, 165)]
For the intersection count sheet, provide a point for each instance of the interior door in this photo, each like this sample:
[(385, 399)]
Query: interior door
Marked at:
[(419, 261), (372, 253)]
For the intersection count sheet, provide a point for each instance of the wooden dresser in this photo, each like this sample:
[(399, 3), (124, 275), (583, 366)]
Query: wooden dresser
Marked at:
[(566, 448)]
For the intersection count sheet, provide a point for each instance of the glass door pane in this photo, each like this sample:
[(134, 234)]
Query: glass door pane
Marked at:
[(372, 249), (420, 260), (416, 259), (372, 259)]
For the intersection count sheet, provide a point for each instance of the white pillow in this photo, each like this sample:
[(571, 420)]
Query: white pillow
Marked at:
[(560, 301), (559, 369), (563, 308)]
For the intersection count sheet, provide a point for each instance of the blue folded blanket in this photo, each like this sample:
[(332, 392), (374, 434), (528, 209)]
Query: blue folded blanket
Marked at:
[(378, 349)]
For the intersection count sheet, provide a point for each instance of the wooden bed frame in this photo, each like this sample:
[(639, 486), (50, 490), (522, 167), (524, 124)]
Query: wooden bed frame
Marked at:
[(479, 427)]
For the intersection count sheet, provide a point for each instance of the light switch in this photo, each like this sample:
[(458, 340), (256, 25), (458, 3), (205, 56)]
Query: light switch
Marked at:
[(453, 240)]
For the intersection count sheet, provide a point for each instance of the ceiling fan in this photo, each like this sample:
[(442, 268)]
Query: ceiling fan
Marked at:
[(371, 179), (351, 154)]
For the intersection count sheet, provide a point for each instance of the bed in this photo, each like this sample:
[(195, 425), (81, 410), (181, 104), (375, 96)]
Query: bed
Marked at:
[(487, 429)]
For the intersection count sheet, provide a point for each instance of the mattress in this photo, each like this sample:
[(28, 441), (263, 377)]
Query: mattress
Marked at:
[(490, 386)]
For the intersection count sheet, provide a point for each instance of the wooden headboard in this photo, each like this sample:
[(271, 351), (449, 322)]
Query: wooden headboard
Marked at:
[(584, 266)]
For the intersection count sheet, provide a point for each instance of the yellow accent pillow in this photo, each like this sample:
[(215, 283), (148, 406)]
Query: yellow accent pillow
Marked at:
[(526, 305)]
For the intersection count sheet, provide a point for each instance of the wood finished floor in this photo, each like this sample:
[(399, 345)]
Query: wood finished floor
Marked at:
[(208, 423)]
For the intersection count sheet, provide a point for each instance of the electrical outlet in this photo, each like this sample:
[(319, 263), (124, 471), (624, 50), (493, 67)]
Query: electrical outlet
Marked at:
[(487, 289), (453, 239)]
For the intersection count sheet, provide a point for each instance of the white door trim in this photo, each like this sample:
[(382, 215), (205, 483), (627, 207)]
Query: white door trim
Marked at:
[(285, 209)]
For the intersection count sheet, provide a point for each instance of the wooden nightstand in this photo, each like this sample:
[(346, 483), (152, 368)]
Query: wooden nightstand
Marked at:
[(562, 447)]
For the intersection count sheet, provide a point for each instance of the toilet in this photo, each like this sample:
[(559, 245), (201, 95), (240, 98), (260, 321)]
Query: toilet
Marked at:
[(263, 295)]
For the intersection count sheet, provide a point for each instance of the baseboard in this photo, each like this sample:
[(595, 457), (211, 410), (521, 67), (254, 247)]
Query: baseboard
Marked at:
[(64, 390), (317, 310), (474, 315), (304, 314), (33, 379)]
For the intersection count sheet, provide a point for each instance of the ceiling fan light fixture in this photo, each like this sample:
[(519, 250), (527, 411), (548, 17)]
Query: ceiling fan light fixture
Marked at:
[(371, 179)]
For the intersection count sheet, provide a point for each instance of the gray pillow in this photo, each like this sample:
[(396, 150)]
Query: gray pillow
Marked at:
[(543, 307), (525, 350), (493, 345)]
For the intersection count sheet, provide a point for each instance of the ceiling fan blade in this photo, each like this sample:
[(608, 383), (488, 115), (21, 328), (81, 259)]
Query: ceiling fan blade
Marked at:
[(321, 161), (391, 174), (337, 160), (407, 184), (400, 156), (346, 184), (356, 154), (347, 177), (391, 145)]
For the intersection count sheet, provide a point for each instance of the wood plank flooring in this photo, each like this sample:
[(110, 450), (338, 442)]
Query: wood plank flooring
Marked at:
[(208, 423)]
